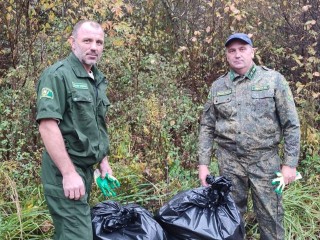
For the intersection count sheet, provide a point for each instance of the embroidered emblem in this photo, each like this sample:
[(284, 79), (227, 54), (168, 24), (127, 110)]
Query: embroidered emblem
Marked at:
[(80, 85), (46, 93), (260, 88), (223, 93)]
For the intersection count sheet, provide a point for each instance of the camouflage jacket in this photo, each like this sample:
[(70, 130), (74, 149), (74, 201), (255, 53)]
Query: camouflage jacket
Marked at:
[(249, 114)]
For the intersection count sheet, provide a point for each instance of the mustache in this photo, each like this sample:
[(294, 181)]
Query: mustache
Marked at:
[(92, 53)]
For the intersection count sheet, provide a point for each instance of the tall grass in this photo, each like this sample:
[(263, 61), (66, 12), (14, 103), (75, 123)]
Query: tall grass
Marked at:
[(301, 201), (302, 210), (23, 214)]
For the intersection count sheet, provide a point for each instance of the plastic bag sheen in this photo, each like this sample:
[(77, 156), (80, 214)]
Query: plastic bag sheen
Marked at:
[(205, 213), (112, 221)]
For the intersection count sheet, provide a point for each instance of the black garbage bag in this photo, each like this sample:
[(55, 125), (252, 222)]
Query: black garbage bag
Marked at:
[(113, 221), (204, 213)]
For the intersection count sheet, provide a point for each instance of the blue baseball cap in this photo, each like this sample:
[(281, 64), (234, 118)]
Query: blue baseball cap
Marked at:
[(239, 36)]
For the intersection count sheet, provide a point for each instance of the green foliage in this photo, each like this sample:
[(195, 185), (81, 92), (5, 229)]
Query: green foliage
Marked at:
[(160, 58), (301, 201), (23, 214), (302, 210), (17, 125)]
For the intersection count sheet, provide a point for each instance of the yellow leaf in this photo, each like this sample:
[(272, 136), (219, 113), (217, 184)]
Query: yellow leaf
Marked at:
[(305, 8), (118, 42), (182, 48), (117, 10), (315, 95), (146, 130), (129, 8), (300, 86), (238, 17), (316, 74), (311, 22), (210, 4), (208, 40)]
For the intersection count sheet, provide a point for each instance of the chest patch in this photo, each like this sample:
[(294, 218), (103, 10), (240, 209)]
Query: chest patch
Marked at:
[(260, 88), (80, 85), (223, 93)]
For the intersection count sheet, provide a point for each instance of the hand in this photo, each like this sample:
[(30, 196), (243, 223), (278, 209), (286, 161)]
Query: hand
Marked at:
[(289, 174), (280, 181), (105, 167), (203, 173), (106, 184), (73, 186)]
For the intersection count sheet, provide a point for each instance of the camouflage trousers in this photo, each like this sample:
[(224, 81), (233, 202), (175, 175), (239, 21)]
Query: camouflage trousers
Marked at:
[(255, 172)]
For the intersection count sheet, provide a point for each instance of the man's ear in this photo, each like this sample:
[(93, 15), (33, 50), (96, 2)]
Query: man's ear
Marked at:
[(71, 40), (253, 52)]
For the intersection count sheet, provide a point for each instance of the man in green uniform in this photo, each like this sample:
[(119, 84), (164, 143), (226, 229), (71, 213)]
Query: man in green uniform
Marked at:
[(249, 111), (71, 109)]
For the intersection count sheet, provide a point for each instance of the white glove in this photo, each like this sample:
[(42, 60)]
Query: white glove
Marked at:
[(280, 182)]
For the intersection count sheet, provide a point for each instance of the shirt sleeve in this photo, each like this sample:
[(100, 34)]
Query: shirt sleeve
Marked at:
[(289, 122), (51, 96), (206, 134)]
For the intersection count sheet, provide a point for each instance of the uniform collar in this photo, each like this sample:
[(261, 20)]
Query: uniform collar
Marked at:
[(249, 74)]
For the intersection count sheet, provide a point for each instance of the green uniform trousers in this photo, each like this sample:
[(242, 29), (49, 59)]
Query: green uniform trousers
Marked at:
[(255, 172), (71, 218)]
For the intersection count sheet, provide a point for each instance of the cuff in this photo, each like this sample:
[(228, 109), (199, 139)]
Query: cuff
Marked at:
[(290, 161)]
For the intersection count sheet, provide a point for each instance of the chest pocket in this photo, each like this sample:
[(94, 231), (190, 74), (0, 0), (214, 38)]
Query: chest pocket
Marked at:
[(223, 105), (103, 107), (263, 101), (82, 105)]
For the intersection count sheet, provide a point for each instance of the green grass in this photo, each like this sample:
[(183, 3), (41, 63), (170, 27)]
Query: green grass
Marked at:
[(23, 213), (301, 201), (302, 210)]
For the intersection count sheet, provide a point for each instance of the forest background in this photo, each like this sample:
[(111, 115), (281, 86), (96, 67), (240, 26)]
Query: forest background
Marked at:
[(160, 58)]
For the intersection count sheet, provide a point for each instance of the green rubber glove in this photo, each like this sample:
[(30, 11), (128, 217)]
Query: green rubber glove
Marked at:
[(107, 184), (280, 182)]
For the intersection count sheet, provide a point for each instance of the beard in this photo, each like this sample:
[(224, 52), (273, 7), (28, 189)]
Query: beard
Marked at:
[(88, 57)]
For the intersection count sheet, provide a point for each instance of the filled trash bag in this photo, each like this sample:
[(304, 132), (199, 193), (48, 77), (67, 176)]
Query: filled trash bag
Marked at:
[(204, 213), (112, 221)]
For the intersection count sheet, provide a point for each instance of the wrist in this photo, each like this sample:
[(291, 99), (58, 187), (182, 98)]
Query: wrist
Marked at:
[(68, 170)]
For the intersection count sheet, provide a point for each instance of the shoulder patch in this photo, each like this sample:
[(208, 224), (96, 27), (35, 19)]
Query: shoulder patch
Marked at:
[(46, 93)]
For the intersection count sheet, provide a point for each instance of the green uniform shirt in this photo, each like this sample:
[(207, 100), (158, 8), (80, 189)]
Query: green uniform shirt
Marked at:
[(249, 114), (67, 93)]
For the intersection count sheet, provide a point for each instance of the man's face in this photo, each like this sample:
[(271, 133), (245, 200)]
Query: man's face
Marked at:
[(239, 56), (87, 45)]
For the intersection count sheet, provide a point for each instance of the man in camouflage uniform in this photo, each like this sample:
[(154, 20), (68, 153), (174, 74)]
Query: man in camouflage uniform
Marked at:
[(249, 111)]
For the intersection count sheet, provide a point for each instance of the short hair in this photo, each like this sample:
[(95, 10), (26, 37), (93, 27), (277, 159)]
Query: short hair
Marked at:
[(81, 22)]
